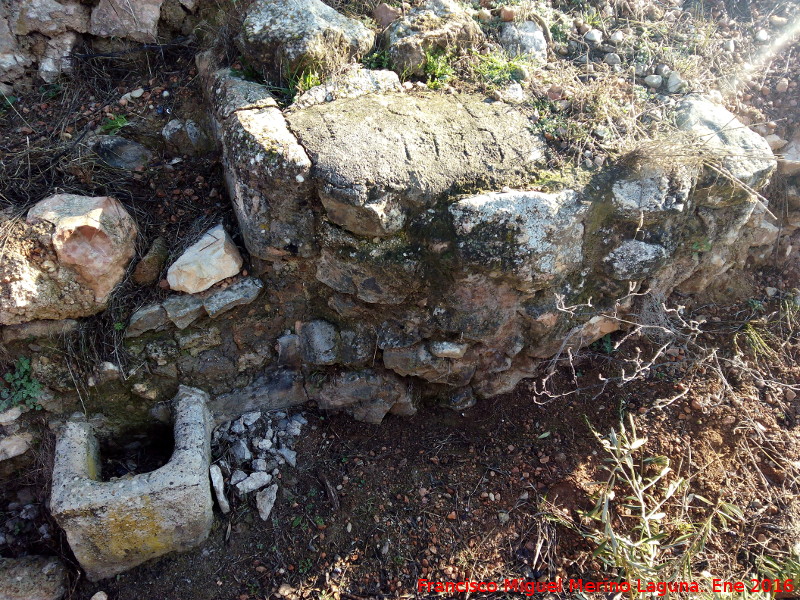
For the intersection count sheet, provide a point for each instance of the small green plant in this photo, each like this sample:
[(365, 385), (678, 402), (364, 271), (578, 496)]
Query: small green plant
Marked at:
[(559, 32), (114, 123), (377, 60), (50, 91), (604, 345), (6, 102), (498, 68), (303, 80), (631, 526), (119, 326), (438, 69), (21, 388), (305, 565)]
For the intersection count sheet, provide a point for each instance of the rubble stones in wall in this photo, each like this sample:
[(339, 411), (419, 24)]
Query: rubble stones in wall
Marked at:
[(383, 272), (137, 21), (352, 82), (211, 259), (532, 236), (429, 145), (368, 395), (51, 17), (652, 192), (281, 39), (435, 26), (635, 260), (267, 171), (743, 154)]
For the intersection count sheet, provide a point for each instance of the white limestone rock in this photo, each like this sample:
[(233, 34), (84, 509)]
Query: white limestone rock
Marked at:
[(208, 261), (281, 38), (741, 151)]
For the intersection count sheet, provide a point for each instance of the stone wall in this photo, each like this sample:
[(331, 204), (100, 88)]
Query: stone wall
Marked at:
[(38, 37), (396, 250)]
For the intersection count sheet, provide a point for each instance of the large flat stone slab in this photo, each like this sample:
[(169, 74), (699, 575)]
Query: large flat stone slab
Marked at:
[(377, 158)]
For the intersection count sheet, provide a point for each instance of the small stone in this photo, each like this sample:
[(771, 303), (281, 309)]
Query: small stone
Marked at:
[(617, 37), (251, 418), (762, 36), (503, 517), (253, 482), (32, 578), (210, 260), (675, 83), (728, 420), (265, 500), (485, 15), (782, 86), (240, 451), (99, 596), (662, 70), (120, 153), (238, 476), (385, 15), (183, 310), (696, 404), (508, 13), (219, 488), (260, 464), (289, 455), (789, 394), (775, 142), (514, 94), (729, 45), (612, 58), (593, 36), (149, 268), (771, 291), (452, 516)]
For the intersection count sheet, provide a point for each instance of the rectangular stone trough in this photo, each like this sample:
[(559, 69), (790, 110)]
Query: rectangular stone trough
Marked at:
[(115, 525)]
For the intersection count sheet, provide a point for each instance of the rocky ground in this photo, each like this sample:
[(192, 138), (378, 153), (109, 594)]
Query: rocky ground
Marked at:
[(496, 491)]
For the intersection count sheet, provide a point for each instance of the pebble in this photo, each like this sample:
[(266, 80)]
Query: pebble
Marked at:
[(265, 500), (762, 36), (484, 16), (593, 36), (508, 13), (729, 45), (100, 596), (617, 37), (790, 394), (675, 83), (612, 58), (782, 86), (289, 455), (728, 420), (253, 482), (653, 81), (662, 70)]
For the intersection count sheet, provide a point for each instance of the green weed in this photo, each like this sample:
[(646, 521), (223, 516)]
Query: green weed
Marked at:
[(21, 388), (438, 69), (114, 123), (498, 68)]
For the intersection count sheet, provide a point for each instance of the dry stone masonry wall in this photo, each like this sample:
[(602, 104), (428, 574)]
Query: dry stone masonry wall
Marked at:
[(394, 250)]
